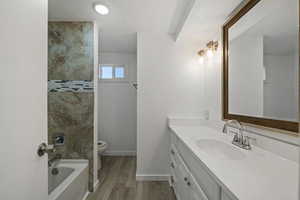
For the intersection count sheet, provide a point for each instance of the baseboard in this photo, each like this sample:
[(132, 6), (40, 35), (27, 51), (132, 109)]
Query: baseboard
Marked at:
[(120, 153), (152, 177)]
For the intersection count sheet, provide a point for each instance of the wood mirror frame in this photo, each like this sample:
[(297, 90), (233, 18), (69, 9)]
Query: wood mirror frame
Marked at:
[(258, 121)]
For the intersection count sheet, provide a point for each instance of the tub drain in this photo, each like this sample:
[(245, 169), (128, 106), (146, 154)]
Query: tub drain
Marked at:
[(55, 171)]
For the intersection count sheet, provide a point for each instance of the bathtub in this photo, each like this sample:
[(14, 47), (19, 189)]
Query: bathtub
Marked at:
[(71, 181)]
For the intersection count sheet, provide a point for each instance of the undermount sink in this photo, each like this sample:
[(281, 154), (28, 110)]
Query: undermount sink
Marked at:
[(220, 149)]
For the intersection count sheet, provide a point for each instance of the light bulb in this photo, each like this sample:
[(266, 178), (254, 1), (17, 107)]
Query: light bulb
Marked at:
[(101, 9), (210, 53)]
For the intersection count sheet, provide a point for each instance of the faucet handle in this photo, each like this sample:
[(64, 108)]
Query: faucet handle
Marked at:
[(225, 129), (246, 142), (236, 137)]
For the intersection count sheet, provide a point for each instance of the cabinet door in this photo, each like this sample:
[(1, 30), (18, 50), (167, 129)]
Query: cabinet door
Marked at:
[(174, 183), (196, 192), (180, 173), (181, 185)]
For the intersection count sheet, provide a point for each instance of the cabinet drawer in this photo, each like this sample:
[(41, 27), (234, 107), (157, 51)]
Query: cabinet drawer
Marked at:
[(173, 178), (180, 185), (173, 163), (185, 184), (173, 158), (211, 189), (180, 166), (173, 152), (174, 183)]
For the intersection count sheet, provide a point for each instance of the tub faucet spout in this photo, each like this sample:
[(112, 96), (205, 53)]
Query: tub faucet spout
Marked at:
[(54, 159)]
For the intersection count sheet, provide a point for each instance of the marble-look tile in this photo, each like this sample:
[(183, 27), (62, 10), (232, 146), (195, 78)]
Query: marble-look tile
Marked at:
[(71, 102), (72, 114), (70, 50)]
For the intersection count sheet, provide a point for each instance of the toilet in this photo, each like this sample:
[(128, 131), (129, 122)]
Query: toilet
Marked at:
[(101, 146)]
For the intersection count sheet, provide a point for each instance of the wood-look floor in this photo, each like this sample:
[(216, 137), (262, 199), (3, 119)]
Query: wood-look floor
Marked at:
[(117, 179)]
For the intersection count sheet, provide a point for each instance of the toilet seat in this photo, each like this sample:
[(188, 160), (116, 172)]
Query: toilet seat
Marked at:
[(102, 146)]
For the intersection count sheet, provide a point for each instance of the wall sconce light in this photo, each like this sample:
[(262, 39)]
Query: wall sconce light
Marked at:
[(212, 46), (201, 53)]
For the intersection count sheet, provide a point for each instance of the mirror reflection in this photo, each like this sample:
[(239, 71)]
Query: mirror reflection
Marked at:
[(264, 62)]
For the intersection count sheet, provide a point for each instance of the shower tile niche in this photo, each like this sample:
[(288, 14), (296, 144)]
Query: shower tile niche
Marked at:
[(71, 89)]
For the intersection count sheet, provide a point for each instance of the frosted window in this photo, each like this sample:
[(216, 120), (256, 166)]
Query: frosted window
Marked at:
[(106, 72), (113, 72), (119, 72)]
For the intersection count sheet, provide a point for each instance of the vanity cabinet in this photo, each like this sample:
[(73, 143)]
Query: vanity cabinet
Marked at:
[(183, 182), (189, 177)]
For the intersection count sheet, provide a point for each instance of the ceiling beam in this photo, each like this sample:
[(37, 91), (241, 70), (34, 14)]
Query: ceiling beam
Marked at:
[(181, 14)]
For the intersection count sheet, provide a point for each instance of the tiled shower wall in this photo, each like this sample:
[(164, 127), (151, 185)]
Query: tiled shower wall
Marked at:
[(70, 89)]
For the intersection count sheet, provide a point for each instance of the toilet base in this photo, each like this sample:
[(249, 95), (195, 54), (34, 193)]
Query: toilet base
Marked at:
[(99, 162)]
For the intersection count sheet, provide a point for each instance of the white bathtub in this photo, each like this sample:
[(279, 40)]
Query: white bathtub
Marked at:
[(71, 182)]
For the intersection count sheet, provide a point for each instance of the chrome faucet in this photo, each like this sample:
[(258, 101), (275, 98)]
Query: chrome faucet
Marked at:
[(54, 159), (239, 139)]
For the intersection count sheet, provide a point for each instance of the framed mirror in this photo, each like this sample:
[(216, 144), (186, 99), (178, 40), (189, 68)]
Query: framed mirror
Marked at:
[(261, 64)]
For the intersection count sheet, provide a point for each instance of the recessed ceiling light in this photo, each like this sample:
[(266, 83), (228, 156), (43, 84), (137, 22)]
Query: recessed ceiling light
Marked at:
[(101, 9)]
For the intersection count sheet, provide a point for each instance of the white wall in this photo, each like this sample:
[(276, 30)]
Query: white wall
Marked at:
[(246, 74), (117, 107), (170, 81), (280, 100), (213, 84)]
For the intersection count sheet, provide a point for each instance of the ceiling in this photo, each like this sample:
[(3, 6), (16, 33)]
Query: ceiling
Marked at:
[(118, 30), (206, 20)]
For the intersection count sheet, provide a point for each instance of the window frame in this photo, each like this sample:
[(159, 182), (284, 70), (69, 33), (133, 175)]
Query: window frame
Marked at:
[(113, 79)]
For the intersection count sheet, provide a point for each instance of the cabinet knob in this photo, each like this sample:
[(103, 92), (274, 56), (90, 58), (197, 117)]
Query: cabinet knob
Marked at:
[(172, 179), (172, 165), (185, 179), (188, 183)]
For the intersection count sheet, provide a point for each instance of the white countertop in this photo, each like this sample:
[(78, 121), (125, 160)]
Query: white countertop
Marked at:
[(260, 175)]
